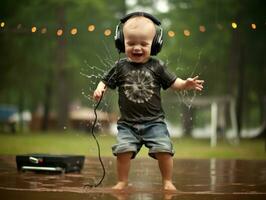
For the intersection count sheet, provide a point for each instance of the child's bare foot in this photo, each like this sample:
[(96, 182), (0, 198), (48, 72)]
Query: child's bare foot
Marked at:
[(169, 186), (120, 185)]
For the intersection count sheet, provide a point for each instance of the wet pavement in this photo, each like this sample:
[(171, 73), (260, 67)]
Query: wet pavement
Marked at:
[(195, 179)]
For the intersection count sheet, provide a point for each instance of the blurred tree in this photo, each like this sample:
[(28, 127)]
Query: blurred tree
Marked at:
[(40, 65), (228, 54)]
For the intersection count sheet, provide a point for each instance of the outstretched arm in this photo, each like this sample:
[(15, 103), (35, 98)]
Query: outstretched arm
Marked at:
[(101, 88), (188, 84)]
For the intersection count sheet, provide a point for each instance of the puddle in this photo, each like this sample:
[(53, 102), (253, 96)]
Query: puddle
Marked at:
[(196, 179)]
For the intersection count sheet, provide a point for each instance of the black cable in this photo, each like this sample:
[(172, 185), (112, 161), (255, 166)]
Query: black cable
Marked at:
[(92, 132), (98, 146)]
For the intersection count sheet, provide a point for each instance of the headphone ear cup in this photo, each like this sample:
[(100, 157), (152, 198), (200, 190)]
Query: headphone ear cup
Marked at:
[(157, 42), (119, 40)]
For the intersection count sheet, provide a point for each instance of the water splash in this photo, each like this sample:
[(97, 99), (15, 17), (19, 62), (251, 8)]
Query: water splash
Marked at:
[(93, 75), (187, 97), (197, 64)]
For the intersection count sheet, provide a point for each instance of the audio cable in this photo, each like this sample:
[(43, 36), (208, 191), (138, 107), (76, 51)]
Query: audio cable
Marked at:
[(98, 146), (92, 132)]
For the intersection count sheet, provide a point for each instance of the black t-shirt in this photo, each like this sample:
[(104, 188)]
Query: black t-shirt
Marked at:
[(139, 88)]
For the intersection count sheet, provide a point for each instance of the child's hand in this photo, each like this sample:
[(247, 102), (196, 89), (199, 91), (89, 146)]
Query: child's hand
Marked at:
[(99, 91), (193, 83)]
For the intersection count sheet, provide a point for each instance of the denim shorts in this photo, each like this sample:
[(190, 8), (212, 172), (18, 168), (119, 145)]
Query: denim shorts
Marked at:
[(154, 135)]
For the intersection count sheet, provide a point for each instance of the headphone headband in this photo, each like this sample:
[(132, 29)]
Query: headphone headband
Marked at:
[(147, 15)]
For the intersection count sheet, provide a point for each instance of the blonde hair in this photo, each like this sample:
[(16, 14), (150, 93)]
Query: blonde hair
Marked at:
[(137, 21)]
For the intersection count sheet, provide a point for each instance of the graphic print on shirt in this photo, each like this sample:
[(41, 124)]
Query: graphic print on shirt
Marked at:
[(139, 86)]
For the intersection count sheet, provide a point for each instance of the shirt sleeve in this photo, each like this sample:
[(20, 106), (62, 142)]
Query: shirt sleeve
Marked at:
[(109, 78), (166, 78)]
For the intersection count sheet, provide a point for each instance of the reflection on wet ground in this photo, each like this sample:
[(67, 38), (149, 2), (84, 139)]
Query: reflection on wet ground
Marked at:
[(196, 179)]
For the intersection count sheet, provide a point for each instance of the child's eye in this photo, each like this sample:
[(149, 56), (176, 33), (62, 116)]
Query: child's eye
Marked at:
[(144, 44), (130, 43)]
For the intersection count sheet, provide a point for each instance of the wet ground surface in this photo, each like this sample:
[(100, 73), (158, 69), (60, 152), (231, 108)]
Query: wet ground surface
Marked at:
[(196, 179)]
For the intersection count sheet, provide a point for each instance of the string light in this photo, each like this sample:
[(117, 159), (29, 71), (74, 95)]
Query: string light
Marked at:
[(186, 33), (107, 32), (43, 30), (202, 28), (91, 28), (59, 32), (171, 33), (234, 25), (74, 31), (253, 26), (33, 29)]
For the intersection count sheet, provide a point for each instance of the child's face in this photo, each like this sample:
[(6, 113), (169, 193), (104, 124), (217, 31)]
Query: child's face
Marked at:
[(138, 33)]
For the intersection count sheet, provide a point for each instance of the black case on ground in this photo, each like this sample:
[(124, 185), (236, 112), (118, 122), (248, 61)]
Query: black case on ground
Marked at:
[(50, 163)]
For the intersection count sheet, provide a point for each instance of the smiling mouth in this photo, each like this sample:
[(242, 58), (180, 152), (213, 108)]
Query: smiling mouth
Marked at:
[(137, 54)]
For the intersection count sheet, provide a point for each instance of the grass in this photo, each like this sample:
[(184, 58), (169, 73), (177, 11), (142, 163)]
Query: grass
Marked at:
[(73, 142)]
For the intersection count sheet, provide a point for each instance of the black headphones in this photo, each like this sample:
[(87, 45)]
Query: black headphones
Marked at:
[(157, 42)]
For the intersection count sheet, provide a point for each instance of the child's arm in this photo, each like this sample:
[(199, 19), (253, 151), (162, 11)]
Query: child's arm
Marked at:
[(188, 84), (101, 88)]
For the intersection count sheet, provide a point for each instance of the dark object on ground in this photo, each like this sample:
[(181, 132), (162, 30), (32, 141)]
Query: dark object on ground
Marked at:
[(50, 163)]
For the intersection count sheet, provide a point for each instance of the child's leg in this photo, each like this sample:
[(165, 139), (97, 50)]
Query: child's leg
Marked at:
[(123, 166), (165, 162)]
